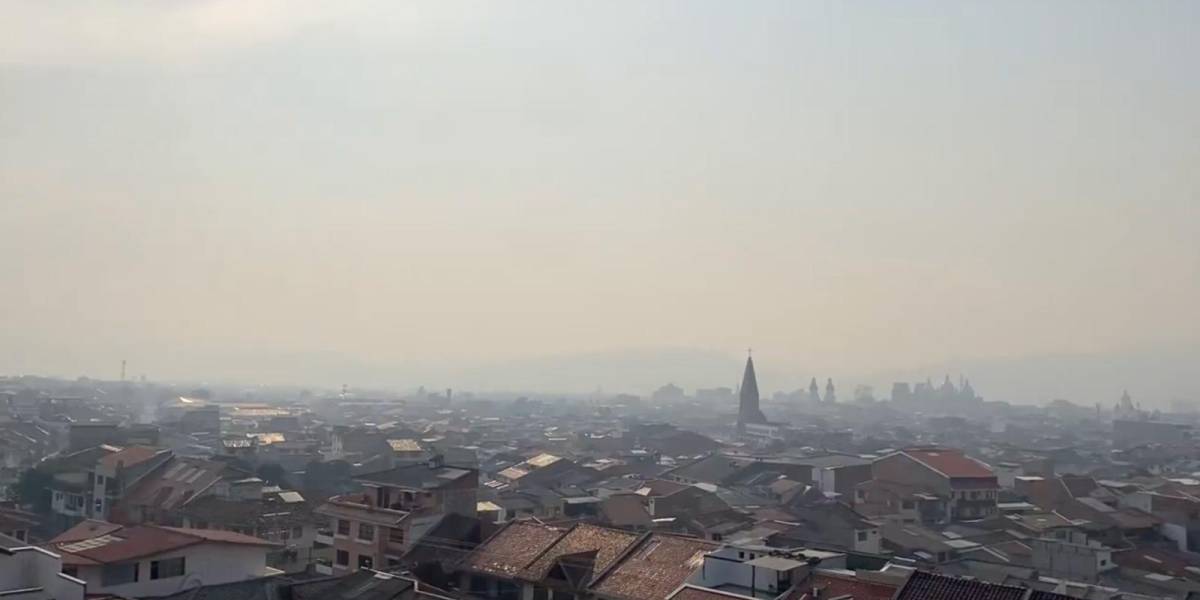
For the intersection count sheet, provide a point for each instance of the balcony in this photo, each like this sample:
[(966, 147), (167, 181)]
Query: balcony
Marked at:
[(324, 536)]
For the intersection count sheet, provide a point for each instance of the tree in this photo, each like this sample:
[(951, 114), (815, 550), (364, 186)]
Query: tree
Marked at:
[(33, 489), (272, 473)]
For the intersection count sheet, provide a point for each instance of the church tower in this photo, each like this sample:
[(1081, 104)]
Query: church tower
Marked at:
[(748, 410), (814, 392), (830, 396)]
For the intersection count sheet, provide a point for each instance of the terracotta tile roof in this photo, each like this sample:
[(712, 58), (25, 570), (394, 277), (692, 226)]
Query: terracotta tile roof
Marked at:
[(129, 456), (171, 485), (923, 585), (512, 548), (835, 585), (127, 543), (951, 463), (606, 544), (86, 529), (655, 568)]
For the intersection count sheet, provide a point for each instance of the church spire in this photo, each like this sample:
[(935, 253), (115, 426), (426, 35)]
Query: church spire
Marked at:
[(748, 410)]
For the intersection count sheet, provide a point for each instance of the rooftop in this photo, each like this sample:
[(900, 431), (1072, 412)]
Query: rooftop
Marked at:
[(656, 567), (127, 543), (951, 463), (512, 548)]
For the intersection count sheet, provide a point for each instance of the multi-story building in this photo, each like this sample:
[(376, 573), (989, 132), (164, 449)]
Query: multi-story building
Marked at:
[(964, 487), (374, 528)]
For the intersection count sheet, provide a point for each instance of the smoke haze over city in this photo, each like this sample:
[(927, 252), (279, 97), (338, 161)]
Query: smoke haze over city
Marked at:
[(565, 197)]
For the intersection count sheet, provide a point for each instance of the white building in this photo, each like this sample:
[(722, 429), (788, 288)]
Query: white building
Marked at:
[(31, 573), (149, 560)]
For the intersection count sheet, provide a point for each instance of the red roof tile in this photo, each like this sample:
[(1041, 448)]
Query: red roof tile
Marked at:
[(951, 463), (85, 530), (836, 585), (127, 543)]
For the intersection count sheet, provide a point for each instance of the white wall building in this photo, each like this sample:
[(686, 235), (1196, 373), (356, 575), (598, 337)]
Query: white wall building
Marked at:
[(31, 573), (148, 560)]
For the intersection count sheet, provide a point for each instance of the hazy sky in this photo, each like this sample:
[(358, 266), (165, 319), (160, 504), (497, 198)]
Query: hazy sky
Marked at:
[(290, 190)]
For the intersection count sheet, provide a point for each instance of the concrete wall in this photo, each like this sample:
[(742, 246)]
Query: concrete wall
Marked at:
[(39, 571), (1071, 561), (204, 564), (900, 468), (873, 543)]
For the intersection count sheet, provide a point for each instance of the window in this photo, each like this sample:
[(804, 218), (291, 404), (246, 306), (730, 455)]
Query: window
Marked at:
[(365, 561), (907, 505), (298, 531), (741, 554), (343, 558), (862, 536), (479, 585), (284, 534), (343, 527), (396, 535), (20, 534), (1103, 562), (99, 506), (119, 574), (366, 532), (99, 480), (541, 593), (163, 569)]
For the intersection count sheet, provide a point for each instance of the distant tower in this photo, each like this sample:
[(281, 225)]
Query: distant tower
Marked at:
[(748, 410), (830, 396), (814, 392), (122, 370)]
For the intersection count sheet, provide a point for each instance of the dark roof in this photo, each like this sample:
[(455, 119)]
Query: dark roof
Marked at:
[(360, 585), (625, 510), (923, 585), (418, 476), (714, 468), (248, 513), (447, 541), (262, 588)]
